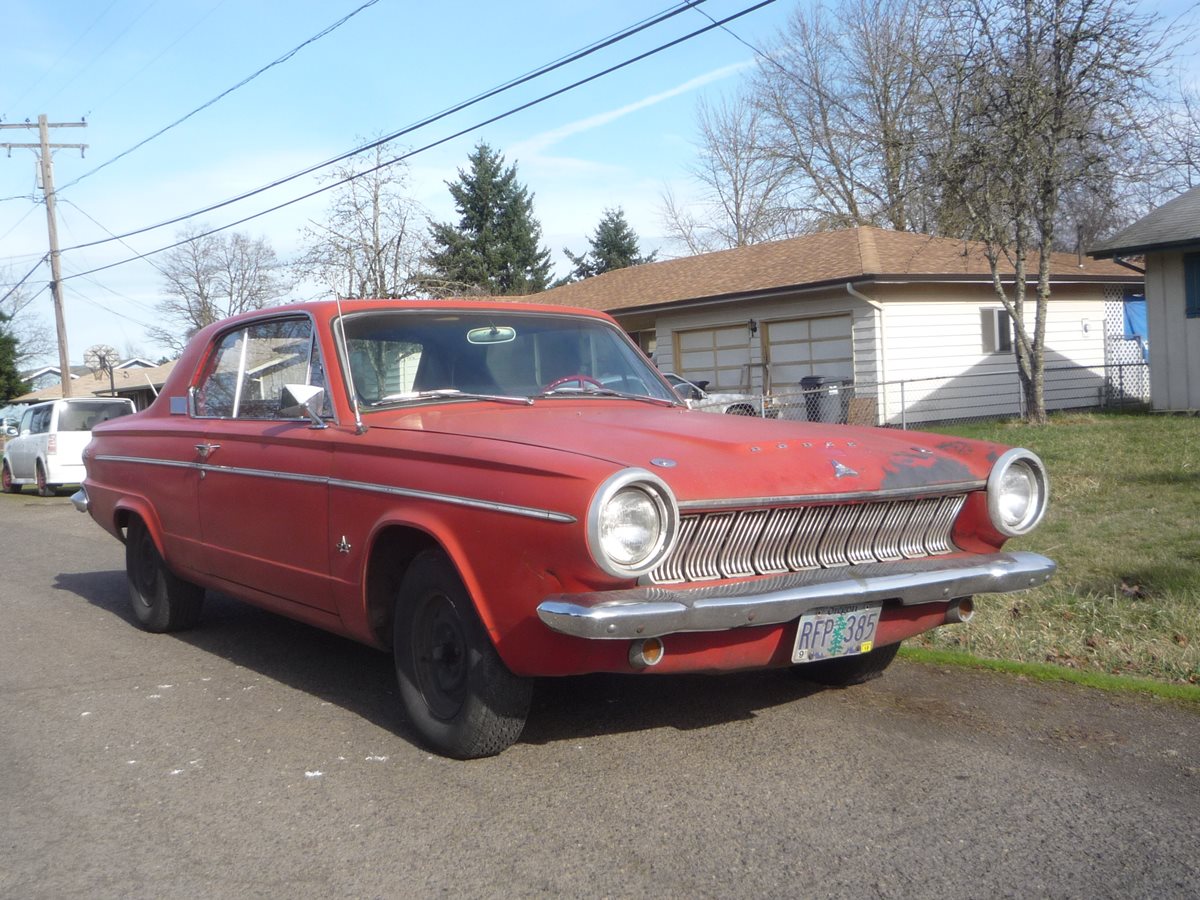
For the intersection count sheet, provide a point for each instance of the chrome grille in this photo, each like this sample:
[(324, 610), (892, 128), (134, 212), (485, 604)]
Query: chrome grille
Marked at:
[(718, 545)]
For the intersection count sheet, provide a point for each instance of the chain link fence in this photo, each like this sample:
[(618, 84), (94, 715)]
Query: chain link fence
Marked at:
[(924, 402)]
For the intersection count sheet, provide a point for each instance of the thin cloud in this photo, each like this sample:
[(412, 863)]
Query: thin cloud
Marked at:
[(536, 145)]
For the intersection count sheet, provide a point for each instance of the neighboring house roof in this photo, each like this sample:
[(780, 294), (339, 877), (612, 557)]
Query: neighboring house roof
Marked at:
[(849, 255), (1174, 224), (31, 374), (124, 380)]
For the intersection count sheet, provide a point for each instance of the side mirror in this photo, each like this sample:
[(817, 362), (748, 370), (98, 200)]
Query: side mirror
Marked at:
[(12, 430), (298, 400)]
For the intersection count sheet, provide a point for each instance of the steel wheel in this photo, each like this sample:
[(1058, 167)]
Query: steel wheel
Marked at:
[(461, 698), (161, 600), (440, 656)]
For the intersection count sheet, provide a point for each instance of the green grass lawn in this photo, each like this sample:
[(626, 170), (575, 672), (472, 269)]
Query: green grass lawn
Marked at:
[(1124, 528)]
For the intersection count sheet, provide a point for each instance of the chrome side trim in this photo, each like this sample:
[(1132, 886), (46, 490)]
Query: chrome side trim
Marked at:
[(529, 512), (526, 511), (655, 611), (851, 497)]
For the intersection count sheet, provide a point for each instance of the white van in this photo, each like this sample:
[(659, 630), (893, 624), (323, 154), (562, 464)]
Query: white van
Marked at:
[(46, 449)]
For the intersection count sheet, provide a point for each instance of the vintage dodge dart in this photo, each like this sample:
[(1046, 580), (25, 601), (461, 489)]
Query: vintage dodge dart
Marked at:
[(495, 491)]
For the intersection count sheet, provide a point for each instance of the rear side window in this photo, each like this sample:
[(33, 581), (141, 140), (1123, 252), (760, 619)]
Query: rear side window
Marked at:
[(86, 416), (40, 423)]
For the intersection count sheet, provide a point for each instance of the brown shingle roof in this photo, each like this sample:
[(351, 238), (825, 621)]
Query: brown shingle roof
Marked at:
[(852, 254)]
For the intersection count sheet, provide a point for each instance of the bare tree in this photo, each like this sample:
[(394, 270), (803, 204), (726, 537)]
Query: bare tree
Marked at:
[(213, 276), (842, 95), (743, 188), (370, 242), (35, 340), (1048, 93)]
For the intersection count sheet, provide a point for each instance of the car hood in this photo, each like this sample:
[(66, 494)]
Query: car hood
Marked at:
[(706, 457)]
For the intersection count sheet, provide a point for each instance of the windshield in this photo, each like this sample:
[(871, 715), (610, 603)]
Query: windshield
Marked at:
[(401, 356)]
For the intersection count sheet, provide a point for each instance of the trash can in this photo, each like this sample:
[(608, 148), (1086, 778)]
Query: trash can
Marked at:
[(825, 397)]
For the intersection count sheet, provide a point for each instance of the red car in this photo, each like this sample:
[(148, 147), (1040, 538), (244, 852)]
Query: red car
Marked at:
[(494, 491)]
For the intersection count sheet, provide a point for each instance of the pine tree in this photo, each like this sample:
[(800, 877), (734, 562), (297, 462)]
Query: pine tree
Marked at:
[(494, 248), (614, 246), (11, 384)]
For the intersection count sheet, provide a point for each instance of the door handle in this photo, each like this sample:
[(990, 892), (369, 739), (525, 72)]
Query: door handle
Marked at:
[(205, 449)]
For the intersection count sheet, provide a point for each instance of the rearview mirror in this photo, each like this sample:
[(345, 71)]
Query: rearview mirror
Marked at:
[(298, 400)]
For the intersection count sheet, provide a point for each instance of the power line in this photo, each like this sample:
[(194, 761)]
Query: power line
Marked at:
[(245, 81), (104, 228), (27, 276), (429, 120), (504, 115)]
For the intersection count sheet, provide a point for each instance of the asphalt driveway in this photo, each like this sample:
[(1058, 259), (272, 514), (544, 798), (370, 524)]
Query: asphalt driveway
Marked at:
[(256, 757)]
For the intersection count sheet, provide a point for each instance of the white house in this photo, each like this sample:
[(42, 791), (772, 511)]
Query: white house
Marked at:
[(1169, 241), (911, 321)]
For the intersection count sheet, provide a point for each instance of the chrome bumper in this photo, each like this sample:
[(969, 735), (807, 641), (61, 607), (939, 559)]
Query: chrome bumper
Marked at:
[(80, 500), (654, 611)]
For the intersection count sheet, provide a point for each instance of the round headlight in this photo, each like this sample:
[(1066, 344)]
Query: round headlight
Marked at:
[(1017, 492), (632, 523), (630, 527)]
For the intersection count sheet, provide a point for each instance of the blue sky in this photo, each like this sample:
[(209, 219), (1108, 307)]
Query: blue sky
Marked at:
[(132, 67)]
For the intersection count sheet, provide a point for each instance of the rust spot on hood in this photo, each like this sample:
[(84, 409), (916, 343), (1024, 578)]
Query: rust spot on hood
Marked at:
[(910, 469)]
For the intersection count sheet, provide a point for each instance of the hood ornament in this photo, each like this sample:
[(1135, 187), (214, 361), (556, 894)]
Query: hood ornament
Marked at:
[(841, 470)]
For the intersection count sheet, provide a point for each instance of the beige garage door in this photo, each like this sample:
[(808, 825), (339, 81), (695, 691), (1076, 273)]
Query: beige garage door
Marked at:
[(795, 348), (720, 356)]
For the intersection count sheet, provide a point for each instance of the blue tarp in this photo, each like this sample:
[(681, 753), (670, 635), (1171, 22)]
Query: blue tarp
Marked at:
[(1135, 323)]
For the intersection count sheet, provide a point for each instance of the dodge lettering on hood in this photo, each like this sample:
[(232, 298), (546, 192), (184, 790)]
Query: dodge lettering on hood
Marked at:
[(494, 492)]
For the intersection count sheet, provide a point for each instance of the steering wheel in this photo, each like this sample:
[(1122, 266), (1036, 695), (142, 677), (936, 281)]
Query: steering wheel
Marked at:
[(581, 378)]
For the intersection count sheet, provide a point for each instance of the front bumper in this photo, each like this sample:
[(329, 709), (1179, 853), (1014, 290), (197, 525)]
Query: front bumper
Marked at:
[(655, 611)]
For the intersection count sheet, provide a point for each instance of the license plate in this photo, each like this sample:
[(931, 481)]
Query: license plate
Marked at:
[(835, 631)]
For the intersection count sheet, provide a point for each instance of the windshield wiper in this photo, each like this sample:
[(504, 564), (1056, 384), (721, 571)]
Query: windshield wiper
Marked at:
[(448, 394), (603, 392)]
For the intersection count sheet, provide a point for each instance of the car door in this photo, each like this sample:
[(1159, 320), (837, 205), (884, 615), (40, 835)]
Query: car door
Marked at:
[(23, 454), (263, 491)]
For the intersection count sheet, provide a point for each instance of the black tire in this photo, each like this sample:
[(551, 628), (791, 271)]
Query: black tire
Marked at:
[(6, 481), (462, 699), (43, 489), (161, 600), (847, 670)]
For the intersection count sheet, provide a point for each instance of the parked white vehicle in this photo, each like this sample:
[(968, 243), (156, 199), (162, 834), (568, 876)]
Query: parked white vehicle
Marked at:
[(46, 449), (698, 397)]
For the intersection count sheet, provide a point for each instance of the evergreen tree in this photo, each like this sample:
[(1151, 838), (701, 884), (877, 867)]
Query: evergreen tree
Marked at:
[(614, 246), (494, 248), (11, 384)]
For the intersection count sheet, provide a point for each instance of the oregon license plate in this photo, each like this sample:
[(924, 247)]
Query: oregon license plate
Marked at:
[(835, 631)]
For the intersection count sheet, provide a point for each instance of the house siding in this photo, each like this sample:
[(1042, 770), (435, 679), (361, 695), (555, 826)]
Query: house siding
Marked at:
[(1174, 338), (918, 349)]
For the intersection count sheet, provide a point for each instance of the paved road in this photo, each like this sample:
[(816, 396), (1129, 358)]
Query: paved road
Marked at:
[(255, 757)]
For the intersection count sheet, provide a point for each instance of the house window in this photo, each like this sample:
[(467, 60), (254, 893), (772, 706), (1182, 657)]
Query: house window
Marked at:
[(1191, 284), (997, 331)]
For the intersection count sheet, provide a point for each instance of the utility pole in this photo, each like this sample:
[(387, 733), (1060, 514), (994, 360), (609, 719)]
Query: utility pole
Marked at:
[(44, 148)]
